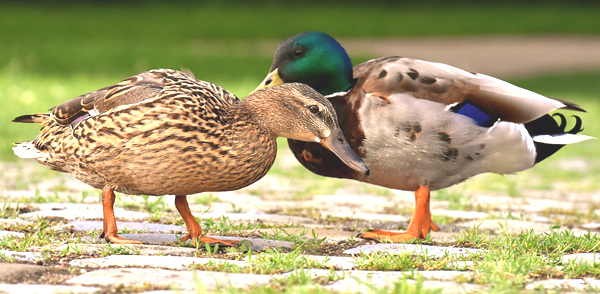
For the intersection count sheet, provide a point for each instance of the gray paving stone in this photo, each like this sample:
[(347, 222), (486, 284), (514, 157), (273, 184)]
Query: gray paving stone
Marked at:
[(591, 226), (164, 239), (4, 234), (449, 287), (178, 280), (366, 216), (582, 257), (166, 262), (31, 257), (73, 211), (391, 275), (541, 219), (153, 239), (8, 222), (337, 262), (465, 215), (9, 271), (358, 281), (435, 251), (364, 286), (258, 217), (444, 234), (331, 235), (166, 250), (358, 285), (45, 289), (84, 226), (348, 201), (95, 249)]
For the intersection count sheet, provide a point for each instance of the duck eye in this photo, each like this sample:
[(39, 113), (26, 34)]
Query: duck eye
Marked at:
[(313, 108), (298, 53)]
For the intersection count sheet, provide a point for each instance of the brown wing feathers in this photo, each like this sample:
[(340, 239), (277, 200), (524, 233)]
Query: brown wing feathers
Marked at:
[(129, 91)]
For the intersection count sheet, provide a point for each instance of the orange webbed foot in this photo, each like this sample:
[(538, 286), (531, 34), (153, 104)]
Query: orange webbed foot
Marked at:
[(387, 236), (116, 239), (397, 237), (210, 241), (109, 231), (419, 225), (194, 230)]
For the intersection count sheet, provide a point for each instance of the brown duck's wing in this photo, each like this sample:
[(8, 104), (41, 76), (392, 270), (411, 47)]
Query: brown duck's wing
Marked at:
[(449, 85), (135, 89)]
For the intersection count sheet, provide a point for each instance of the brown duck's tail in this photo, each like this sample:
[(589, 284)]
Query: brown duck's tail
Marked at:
[(32, 118), (27, 150)]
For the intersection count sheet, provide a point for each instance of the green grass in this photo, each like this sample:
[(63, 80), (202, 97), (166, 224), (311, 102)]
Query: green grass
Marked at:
[(219, 41)]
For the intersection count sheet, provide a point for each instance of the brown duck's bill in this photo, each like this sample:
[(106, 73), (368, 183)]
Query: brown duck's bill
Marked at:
[(272, 79), (336, 143)]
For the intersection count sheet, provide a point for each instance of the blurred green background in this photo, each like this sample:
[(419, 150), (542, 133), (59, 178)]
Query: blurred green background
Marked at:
[(51, 51)]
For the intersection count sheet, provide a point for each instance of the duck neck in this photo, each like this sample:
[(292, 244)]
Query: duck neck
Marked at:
[(338, 85), (253, 146), (255, 114), (249, 125)]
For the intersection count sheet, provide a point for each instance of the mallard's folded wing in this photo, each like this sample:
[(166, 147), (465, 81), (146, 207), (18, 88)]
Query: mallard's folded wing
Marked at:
[(452, 86), (132, 90)]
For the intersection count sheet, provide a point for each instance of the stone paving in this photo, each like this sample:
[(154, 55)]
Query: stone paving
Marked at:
[(164, 265)]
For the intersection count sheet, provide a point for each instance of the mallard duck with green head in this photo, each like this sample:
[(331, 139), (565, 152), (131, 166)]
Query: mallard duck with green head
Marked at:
[(420, 125), (163, 132)]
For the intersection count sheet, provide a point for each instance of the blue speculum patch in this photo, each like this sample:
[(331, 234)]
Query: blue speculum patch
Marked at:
[(469, 110)]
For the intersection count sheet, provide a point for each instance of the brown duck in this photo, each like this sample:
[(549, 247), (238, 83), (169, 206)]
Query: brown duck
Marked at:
[(164, 132)]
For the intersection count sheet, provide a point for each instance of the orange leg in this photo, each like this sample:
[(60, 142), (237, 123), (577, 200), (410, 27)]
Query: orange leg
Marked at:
[(194, 230), (418, 227), (109, 232)]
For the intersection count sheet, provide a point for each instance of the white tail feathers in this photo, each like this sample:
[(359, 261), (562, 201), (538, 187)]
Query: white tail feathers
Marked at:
[(27, 150), (561, 139), (514, 152)]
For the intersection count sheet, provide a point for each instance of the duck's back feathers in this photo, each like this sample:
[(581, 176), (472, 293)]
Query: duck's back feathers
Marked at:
[(141, 88), (452, 86), (135, 89)]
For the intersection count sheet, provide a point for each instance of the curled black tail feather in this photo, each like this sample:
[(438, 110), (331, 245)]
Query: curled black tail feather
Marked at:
[(563, 124), (547, 125)]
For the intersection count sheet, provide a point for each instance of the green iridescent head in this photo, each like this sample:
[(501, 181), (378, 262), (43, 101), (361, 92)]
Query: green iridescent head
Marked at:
[(312, 58)]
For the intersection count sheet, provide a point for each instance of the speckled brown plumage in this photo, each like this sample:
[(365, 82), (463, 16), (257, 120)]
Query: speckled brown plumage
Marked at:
[(164, 132), (115, 147)]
